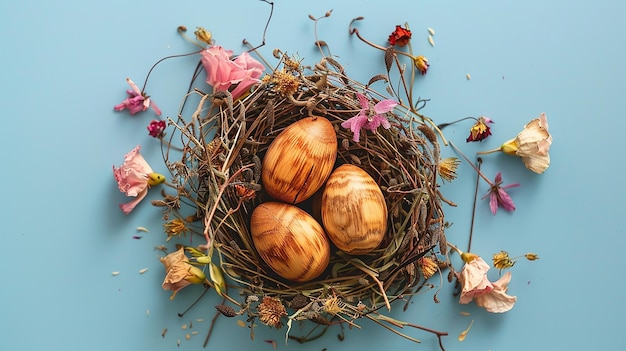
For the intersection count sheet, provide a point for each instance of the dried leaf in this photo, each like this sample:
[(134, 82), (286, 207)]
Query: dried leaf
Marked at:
[(431, 41), (376, 78), (389, 54), (431, 31)]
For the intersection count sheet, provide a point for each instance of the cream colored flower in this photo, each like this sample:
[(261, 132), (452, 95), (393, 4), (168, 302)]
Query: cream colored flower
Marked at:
[(497, 301), (532, 144), (179, 272)]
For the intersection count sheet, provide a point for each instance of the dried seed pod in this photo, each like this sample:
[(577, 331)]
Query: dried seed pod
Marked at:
[(354, 211), (299, 160), (290, 241)]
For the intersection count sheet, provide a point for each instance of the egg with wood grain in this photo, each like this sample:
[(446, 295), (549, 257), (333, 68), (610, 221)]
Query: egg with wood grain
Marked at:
[(299, 160), (353, 209), (290, 241)]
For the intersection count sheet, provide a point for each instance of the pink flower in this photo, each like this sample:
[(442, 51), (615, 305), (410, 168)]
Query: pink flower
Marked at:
[(499, 197), (136, 101), (369, 118), (156, 128), (476, 286), (134, 178), (222, 72)]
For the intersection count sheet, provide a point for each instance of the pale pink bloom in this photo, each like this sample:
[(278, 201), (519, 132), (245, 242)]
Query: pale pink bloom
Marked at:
[(474, 281), (532, 144), (369, 117), (476, 286), (136, 101), (222, 72), (499, 197), (179, 273), (497, 301), (134, 178)]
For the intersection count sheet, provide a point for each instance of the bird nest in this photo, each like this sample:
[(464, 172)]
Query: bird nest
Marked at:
[(215, 153)]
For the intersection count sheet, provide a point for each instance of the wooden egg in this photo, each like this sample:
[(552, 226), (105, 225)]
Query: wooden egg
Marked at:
[(290, 241), (299, 160), (354, 212)]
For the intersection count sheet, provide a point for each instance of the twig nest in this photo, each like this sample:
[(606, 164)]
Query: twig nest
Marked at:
[(290, 241), (353, 210), (299, 160)]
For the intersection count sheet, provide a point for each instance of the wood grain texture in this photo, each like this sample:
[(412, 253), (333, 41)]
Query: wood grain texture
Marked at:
[(353, 210), (299, 160), (290, 241)]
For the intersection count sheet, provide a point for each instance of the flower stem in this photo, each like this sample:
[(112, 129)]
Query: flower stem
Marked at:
[(489, 151), (443, 125), (469, 244), (471, 164)]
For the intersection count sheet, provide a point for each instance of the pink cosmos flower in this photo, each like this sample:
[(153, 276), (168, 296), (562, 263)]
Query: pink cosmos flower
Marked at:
[(369, 118), (136, 101), (156, 128), (222, 72), (134, 178), (499, 197), (476, 286)]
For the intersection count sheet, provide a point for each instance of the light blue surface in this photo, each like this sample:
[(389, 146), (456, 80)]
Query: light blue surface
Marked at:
[(64, 65)]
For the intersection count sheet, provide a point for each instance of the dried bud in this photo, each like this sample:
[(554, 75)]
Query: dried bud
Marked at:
[(531, 256), (428, 133), (298, 302), (181, 29), (226, 310)]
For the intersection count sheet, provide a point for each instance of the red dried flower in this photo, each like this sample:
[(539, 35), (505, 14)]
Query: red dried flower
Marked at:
[(156, 128), (400, 36), (480, 130)]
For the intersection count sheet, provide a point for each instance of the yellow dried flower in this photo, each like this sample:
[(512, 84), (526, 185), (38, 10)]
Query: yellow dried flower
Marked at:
[(203, 35), (175, 227), (291, 64), (271, 309), (447, 168), (421, 63), (531, 256), (428, 266), (501, 260), (331, 305), (286, 84)]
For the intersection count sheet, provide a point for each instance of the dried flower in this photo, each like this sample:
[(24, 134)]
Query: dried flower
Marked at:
[(501, 260), (497, 301), (136, 101), (285, 83), (332, 305), (175, 227), (222, 72), (271, 310), (421, 63), (498, 197), (400, 36), (476, 286), (532, 144), (135, 177), (179, 272), (480, 130), (203, 35), (369, 118), (428, 266), (447, 168), (156, 128)]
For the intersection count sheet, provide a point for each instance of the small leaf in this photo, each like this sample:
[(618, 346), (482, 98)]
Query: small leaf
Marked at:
[(218, 279), (389, 54)]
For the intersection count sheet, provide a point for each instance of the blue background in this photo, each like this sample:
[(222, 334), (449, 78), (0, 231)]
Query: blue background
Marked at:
[(64, 65)]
